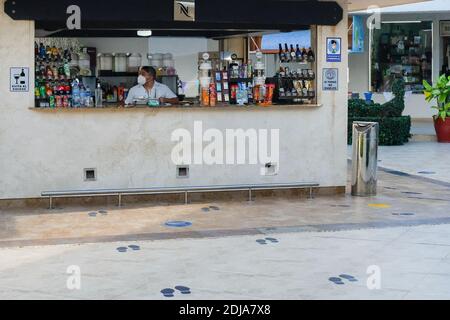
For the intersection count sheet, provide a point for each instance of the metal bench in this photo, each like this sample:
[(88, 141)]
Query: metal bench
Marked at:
[(175, 190)]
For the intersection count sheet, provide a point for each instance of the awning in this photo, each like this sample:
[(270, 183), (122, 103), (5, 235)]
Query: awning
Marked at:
[(211, 16)]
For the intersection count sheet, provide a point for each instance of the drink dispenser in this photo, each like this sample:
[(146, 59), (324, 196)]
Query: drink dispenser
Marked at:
[(259, 79), (205, 79)]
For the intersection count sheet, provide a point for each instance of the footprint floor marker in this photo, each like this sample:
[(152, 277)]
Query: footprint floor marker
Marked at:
[(348, 277), (168, 293), (337, 281), (183, 289), (178, 224)]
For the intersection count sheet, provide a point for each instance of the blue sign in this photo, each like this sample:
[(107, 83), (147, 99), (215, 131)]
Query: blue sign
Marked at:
[(334, 49), (358, 34)]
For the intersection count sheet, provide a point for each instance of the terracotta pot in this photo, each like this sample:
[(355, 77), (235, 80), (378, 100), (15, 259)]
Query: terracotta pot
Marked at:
[(442, 130)]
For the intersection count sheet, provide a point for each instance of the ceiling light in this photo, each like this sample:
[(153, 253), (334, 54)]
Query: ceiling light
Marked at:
[(144, 33)]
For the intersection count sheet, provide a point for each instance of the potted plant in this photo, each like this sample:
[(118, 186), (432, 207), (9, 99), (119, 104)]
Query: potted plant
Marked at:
[(440, 92)]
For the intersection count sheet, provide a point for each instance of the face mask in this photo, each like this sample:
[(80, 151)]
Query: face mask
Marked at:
[(142, 80)]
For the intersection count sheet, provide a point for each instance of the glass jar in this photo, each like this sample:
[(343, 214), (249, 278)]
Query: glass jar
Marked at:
[(134, 62), (84, 61), (106, 61), (120, 62)]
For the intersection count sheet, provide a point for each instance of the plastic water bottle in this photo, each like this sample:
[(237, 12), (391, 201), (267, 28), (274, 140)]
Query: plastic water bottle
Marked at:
[(83, 96), (76, 103), (89, 99)]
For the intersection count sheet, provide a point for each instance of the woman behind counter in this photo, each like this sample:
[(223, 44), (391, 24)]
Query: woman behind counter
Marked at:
[(149, 89)]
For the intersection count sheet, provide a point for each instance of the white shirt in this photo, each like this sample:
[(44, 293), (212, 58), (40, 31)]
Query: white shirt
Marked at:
[(139, 92)]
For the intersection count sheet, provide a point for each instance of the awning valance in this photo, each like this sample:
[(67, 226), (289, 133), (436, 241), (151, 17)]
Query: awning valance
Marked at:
[(219, 15)]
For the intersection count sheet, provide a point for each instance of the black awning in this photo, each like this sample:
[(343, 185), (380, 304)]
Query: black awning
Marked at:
[(210, 15)]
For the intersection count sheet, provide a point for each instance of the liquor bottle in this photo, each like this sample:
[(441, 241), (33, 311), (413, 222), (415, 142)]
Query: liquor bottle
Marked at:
[(281, 53), (287, 53), (293, 54), (298, 54), (98, 96), (311, 57), (304, 55)]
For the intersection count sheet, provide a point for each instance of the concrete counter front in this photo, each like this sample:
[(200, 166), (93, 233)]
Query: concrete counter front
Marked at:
[(134, 147)]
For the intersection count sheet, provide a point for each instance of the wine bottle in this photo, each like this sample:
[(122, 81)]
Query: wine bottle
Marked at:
[(287, 53), (280, 53), (293, 56)]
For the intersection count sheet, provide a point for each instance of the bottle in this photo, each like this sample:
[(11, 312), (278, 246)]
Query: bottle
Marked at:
[(58, 99), (293, 54), (88, 98), (82, 96), (98, 96), (69, 96), (304, 55), (287, 53), (298, 54), (311, 57), (75, 94), (281, 53)]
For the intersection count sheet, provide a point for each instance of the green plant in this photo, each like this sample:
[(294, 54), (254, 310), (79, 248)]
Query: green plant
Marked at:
[(393, 131), (394, 128), (441, 93)]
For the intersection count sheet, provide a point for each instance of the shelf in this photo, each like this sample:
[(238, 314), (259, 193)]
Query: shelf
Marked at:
[(219, 107), (117, 74)]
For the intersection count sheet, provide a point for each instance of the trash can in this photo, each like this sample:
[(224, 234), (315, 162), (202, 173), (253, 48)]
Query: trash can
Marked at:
[(365, 159)]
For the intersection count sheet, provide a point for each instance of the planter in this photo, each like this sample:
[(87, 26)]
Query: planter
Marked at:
[(442, 130)]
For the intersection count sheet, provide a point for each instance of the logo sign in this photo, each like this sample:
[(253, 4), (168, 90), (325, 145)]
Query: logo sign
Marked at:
[(334, 49), (19, 79), (330, 79), (184, 10), (445, 28)]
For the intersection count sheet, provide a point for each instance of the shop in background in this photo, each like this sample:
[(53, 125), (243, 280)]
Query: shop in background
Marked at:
[(401, 51)]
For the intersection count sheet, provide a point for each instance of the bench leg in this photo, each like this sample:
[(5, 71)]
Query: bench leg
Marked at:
[(120, 200), (250, 195), (186, 198), (311, 195), (50, 203)]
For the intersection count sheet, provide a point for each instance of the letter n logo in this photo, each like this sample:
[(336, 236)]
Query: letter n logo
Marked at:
[(184, 10)]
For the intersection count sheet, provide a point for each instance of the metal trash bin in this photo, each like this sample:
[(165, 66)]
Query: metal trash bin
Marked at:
[(365, 158)]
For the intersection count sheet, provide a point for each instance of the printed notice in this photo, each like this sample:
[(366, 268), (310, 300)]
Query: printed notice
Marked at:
[(334, 49), (330, 79), (19, 79)]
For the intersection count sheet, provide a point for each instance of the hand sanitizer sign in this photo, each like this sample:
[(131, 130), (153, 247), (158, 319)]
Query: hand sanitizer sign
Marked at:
[(19, 79), (334, 49)]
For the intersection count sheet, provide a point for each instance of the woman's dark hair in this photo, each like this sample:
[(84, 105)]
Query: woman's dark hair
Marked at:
[(150, 70)]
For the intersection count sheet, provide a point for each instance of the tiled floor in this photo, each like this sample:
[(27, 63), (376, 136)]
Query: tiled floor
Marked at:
[(423, 127), (398, 239), (411, 263), (417, 157)]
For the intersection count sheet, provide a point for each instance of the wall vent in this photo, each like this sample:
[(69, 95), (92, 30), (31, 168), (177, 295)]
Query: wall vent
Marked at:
[(182, 172), (90, 174)]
